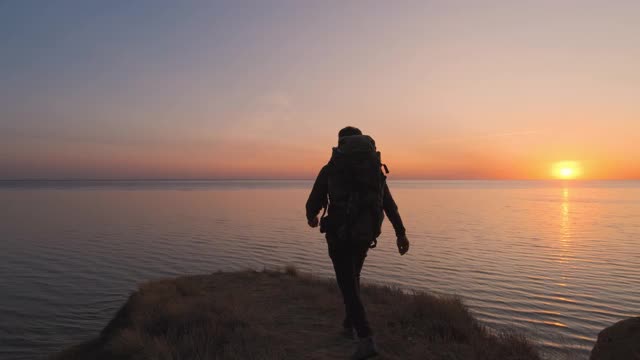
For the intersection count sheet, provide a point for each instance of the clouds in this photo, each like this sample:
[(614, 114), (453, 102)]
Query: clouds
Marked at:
[(267, 115)]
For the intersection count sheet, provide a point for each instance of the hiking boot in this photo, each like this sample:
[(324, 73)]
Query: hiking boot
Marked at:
[(366, 349)]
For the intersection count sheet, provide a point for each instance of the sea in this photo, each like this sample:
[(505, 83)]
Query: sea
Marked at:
[(555, 260)]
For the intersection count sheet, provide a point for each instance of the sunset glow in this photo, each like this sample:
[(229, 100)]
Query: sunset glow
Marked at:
[(566, 170)]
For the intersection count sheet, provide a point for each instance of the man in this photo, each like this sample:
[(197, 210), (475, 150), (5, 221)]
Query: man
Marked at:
[(353, 185)]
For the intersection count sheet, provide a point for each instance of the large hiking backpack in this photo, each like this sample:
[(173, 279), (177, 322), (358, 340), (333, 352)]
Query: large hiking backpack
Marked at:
[(356, 185)]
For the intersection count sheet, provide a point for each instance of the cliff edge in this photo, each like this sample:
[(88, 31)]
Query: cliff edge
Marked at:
[(287, 315)]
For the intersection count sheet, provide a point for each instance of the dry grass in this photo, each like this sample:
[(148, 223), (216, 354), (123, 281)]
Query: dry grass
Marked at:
[(287, 315)]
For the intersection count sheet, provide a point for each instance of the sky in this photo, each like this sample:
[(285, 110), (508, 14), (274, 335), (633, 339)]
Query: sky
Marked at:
[(259, 89)]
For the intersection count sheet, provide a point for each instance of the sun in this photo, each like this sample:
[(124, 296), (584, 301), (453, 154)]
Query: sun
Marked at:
[(566, 170)]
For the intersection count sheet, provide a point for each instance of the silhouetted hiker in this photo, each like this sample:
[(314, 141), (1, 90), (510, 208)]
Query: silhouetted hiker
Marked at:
[(353, 185)]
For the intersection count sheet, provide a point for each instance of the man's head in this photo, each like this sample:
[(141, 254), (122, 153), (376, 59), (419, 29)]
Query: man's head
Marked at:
[(349, 131)]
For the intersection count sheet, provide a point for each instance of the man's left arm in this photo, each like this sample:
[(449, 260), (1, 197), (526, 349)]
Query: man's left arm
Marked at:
[(391, 210)]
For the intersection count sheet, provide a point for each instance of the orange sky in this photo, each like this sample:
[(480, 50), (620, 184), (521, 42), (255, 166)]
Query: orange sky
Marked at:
[(449, 90)]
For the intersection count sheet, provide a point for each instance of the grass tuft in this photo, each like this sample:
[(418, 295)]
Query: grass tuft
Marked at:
[(291, 270)]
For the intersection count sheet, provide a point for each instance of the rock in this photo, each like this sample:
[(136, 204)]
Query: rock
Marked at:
[(620, 341)]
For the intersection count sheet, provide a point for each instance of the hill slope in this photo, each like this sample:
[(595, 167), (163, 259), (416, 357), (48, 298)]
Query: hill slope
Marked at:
[(285, 315)]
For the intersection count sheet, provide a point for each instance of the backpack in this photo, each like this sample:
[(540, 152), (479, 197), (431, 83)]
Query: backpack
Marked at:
[(356, 186)]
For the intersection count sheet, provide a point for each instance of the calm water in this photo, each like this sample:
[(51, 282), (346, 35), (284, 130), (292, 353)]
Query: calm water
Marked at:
[(557, 261)]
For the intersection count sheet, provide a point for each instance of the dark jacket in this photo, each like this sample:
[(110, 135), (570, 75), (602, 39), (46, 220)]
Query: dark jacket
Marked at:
[(319, 196)]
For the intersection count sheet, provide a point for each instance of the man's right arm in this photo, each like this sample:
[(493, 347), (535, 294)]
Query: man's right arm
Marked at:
[(318, 197)]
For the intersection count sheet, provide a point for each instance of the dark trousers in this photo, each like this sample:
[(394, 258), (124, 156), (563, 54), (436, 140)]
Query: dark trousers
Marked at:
[(348, 258)]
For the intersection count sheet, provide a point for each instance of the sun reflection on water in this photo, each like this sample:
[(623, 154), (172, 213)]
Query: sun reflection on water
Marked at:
[(565, 229), (566, 251)]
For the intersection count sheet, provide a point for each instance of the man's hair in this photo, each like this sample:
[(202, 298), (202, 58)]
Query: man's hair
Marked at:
[(349, 131)]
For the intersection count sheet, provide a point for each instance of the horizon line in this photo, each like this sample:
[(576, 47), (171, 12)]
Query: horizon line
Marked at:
[(310, 179)]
